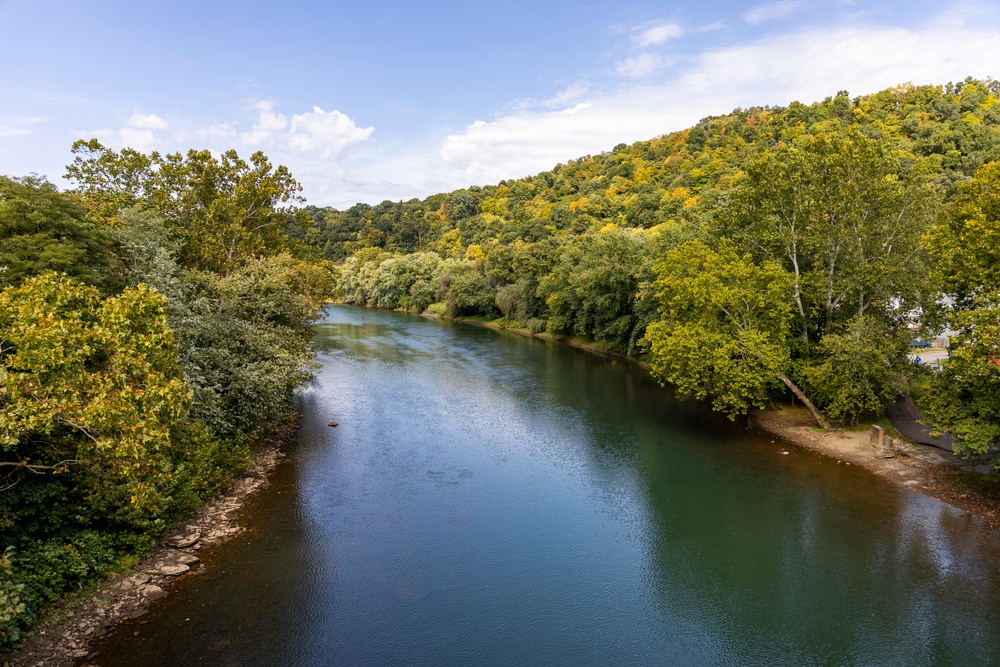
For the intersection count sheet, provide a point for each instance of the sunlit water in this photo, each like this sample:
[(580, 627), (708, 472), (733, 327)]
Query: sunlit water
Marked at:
[(489, 499)]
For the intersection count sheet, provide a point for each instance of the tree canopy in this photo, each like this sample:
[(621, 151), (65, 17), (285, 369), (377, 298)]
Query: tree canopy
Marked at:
[(153, 330), (223, 210), (966, 395), (835, 198), (42, 229)]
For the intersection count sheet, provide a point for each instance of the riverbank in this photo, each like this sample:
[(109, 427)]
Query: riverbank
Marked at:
[(572, 342), (62, 638), (922, 468)]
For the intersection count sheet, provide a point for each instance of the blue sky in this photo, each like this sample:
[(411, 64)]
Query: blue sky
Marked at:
[(367, 101)]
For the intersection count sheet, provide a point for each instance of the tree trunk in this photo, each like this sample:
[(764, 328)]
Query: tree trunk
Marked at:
[(805, 401)]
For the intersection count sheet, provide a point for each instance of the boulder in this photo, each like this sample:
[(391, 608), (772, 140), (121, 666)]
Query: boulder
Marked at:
[(152, 592), (187, 538)]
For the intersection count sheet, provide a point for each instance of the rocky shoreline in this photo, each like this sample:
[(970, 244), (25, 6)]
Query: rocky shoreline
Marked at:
[(62, 638)]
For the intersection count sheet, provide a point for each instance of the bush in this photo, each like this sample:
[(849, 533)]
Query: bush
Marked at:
[(440, 309), (40, 573), (536, 325), (11, 607)]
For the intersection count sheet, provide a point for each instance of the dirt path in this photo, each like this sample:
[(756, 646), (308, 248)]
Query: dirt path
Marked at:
[(919, 467)]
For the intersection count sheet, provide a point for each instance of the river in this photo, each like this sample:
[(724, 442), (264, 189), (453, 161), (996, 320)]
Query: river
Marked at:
[(491, 499)]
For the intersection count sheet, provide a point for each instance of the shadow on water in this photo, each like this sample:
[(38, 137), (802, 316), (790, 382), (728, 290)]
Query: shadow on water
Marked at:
[(495, 500)]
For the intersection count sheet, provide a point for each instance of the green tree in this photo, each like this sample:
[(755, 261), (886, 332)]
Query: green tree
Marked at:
[(723, 328), (463, 288), (91, 389), (224, 210), (606, 282), (834, 211), (42, 229), (357, 275), (966, 244), (111, 180), (393, 280), (242, 337), (858, 371)]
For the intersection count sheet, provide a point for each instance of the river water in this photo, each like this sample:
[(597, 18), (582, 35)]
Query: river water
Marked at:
[(490, 499)]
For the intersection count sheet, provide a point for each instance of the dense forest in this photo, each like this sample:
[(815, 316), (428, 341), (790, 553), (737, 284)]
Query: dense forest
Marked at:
[(153, 330), (154, 319), (769, 250)]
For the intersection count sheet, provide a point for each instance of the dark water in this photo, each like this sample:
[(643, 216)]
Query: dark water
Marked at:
[(494, 500)]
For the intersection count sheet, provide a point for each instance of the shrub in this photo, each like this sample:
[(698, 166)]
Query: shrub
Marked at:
[(440, 309), (536, 325)]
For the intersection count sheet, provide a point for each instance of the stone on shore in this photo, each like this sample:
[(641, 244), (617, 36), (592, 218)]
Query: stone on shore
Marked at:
[(187, 538), (172, 563)]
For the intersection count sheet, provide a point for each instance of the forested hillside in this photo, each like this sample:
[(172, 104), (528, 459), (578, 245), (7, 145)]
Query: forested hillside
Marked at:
[(153, 330), (154, 319), (793, 249)]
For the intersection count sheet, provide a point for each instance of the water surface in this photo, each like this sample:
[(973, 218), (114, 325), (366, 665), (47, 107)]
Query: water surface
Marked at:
[(490, 499)]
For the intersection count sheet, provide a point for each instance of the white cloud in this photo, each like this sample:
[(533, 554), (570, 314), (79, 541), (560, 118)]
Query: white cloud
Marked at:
[(658, 34), (771, 11), (214, 133), (139, 133), (317, 132), (528, 142), (641, 66), (269, 124), (338, 163), (805, 65), (327, 133), (146, 121), (810, 64)]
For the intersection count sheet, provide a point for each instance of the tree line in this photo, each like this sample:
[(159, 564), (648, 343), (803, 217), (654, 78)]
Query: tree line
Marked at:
[(770, 250), (153, 330), (154, 319)]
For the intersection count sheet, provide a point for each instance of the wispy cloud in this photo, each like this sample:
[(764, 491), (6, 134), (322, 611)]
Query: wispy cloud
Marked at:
[(569, 95), (771, 10), (658, 34), (214, 134), (641, 66), (18, 126)]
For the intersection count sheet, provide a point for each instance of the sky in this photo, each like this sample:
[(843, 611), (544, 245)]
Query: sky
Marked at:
[(373, 101)]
